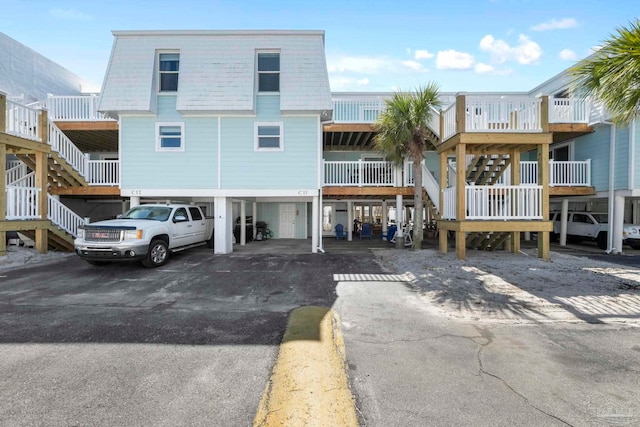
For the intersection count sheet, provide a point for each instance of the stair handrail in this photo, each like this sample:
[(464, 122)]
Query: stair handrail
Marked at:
[(432, 187), (16, 173), (29, 180), (63, 217), (434, 121), (67, 149)]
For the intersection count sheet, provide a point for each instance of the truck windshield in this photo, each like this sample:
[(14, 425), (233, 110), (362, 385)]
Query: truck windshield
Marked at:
[(155, 213), (601, 218)]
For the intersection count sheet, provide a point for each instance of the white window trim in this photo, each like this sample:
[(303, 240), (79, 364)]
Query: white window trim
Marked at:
[(257, 72), (255, 136), (183, 139), (158, 91)]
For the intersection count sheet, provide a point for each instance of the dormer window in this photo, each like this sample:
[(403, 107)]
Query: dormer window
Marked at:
[(268, 72), (168, 69)]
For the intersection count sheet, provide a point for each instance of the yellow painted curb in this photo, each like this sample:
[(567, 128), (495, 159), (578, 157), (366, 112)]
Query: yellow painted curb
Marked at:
[(308, 384)]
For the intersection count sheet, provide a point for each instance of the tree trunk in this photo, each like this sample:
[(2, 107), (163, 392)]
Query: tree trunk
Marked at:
[(418, 203)]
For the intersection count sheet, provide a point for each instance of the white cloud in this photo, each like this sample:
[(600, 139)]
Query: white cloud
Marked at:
[(339, 83), (568, 55), (481, 68), (526, 52), (454, 60), (423, 54), (415, 66), (362, 82), (70, 15), (553, 24)]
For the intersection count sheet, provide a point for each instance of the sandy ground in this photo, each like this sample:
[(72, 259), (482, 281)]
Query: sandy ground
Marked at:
[(17, 256), (501, 287)]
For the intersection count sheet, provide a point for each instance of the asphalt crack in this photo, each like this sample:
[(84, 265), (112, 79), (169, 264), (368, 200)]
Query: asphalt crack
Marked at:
[(482, 371)]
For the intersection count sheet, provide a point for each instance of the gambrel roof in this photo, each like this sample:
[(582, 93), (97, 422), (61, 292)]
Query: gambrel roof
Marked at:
[(217, 70)]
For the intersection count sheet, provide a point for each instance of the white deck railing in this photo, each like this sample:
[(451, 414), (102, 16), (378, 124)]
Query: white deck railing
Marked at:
[(28, 180), (67, 150), (569, 110), (506, 113), (17, 171), (496, 202), (75, 108), (449, 119), (357, 109), (23, 121), (63, 217), (561, 174), (450, 203), (359, 173), (103, 172), (22, 202)]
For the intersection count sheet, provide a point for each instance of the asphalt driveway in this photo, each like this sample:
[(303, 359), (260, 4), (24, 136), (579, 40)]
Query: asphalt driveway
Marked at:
[(190, 343)]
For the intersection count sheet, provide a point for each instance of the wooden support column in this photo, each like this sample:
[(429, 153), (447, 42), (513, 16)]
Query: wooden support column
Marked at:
[(544, 114), (543, 180), (461, 114), (3, 112), (41, 183), (461, 206), (442, 234), (515, 180)]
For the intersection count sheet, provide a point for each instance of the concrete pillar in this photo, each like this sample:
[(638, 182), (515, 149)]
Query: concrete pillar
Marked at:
[(243, 223), (223, 220), (384, 218), (349, 221), (618, 223), (564, 213), (319, 226), (316, 224), (134, 201), (255, 218)]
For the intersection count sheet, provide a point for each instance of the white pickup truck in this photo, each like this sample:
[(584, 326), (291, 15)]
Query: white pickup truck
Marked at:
[(593, 226), (146, 233)]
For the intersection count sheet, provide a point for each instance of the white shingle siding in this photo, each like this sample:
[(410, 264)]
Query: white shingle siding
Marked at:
[(217, 71)]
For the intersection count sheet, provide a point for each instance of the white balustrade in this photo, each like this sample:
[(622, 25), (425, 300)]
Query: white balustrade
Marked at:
[(63, 217), (528, 172), (450, 203), (570, 174), (432, 187), (357, 109), (359, 173), (103, 172), (506, 113), (449, 118), (22, 121), (434, 121), (75, 108), (503, 202), (67, 150), (569, 110), (16, 172), (22, 202)]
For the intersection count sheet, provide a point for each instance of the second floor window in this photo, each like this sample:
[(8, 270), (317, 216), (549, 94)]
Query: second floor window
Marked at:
[(169, 68), (268, 136), (269, 72)]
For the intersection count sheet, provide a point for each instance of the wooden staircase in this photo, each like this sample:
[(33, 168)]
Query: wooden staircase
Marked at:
[(486, 241), (487, 170), (58, 240), (60, 173)]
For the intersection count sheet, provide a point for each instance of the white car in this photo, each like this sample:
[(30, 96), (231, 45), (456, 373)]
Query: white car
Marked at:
[(593, 226)]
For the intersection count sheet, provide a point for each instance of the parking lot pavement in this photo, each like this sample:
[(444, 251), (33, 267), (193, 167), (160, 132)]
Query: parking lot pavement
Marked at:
[(192, 342)]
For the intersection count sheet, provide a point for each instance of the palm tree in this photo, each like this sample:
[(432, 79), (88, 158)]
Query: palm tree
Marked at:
[(612, 74), (403, 133)]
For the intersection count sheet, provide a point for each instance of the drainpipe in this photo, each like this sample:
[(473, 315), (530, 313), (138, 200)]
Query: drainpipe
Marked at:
[(612, 164)]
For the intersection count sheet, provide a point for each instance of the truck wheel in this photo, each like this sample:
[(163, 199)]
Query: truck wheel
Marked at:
[(554, 237), (635, 246), (602, 240), (157, 255)]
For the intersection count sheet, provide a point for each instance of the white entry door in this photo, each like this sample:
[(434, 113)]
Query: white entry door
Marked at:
[(287, 221)]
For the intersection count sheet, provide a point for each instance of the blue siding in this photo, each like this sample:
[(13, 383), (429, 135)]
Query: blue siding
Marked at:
[(144, 167), (270, 213), (621, 179), (595, 146), (293, 168)]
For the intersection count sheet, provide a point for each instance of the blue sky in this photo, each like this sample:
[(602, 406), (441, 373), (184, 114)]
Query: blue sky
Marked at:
[(479, 45)]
